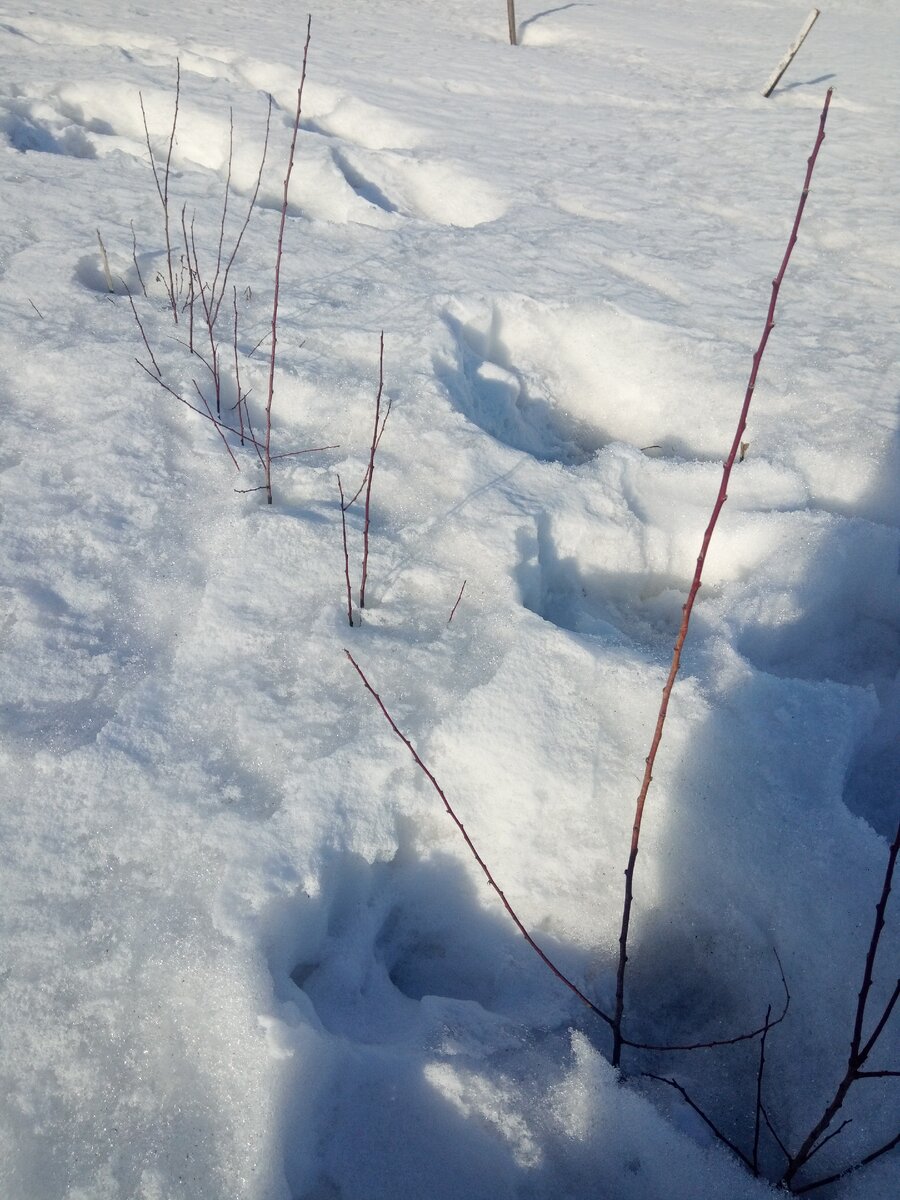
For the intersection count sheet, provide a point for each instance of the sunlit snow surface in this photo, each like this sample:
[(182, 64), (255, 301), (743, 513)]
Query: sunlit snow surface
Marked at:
[(245, 955)]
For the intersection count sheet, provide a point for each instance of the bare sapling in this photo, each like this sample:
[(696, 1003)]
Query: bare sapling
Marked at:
[(381, 420), (618, 1015), (280, 250)]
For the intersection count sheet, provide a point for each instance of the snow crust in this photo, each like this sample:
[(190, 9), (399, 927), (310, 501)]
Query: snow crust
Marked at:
[(245, 952)]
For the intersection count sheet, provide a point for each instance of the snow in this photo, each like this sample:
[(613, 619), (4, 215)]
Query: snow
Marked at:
[(246, 954)]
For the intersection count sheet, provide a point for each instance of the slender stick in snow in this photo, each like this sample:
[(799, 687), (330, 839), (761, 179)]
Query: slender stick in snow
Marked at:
[(792, 51), (618, 1039)]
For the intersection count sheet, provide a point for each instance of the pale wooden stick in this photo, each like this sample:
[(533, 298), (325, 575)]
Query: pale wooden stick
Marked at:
[(789, 57), (511, 16)]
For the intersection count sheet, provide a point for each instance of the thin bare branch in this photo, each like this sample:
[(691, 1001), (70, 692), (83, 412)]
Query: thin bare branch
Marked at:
[(471, 845), (730, 1041), (703, 1116), (458, 598), (771, 1128), (870, 1158), (825, 1140), (377, 431), (141, 328)]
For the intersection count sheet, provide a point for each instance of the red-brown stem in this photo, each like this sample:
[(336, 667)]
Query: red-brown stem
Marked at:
[(456, 605), (376, 438), (692, 596), (284, 209), (346, 554), (471, 845), (859, 1053)]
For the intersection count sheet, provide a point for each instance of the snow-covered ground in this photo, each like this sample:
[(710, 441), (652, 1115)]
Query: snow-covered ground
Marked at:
[(245, 953)]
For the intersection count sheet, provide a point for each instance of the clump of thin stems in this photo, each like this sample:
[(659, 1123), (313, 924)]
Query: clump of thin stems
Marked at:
[(380, 422)]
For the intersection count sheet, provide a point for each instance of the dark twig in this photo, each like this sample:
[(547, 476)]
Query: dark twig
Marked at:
[(458, 598), (471, 845), (284, 209), (36, 309), (141, 328), (731, 1041), (825, 1140), (759, 1091), (870, 1158), (618, 1038), (346, 554), (703, 1116), (774, 1132)]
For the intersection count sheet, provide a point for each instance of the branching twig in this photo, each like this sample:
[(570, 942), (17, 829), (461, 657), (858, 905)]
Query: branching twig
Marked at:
[(618, 1038)]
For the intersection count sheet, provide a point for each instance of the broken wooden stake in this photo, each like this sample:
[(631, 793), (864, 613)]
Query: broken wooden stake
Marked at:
[(789, 57)]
